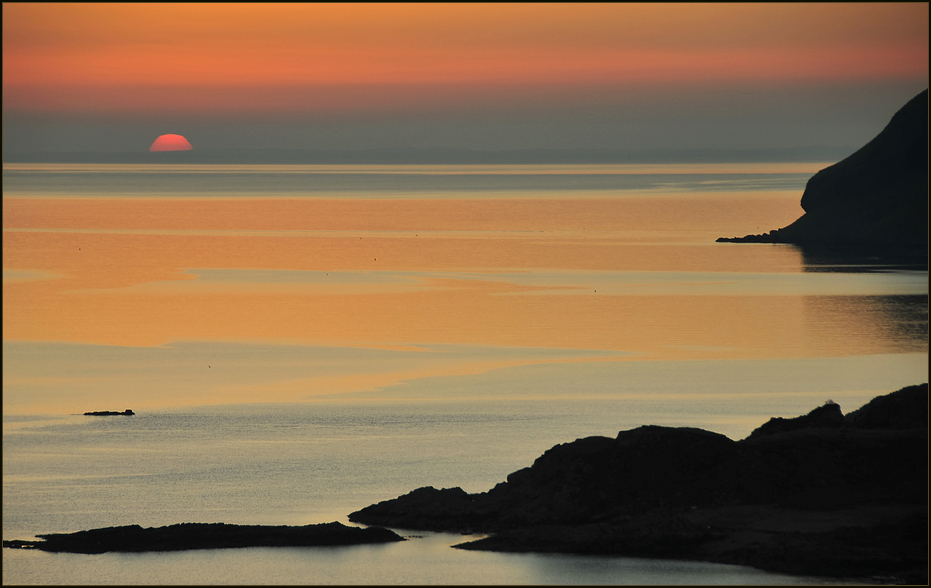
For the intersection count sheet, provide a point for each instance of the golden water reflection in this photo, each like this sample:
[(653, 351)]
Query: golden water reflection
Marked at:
[(623, 279)]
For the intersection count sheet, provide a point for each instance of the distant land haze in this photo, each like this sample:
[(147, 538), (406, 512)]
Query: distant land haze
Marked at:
[(414, 155)]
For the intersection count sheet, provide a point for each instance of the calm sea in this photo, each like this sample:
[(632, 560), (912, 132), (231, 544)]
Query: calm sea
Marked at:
[(299, 342)]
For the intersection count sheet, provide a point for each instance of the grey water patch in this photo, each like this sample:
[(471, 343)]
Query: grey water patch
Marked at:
[(567, 282), (420, 183), (26, 275), (314, 277)]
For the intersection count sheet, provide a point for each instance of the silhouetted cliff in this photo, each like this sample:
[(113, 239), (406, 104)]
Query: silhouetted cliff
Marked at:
[(877, 197), (810, 495)]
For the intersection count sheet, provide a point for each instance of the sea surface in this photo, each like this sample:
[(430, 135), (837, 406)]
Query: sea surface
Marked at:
[(301, 341)]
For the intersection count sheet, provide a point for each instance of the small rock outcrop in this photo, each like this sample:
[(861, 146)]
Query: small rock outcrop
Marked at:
[(126, 412), (693, 494), (875, 198), (429, 509), (828, 416), (185, 536)]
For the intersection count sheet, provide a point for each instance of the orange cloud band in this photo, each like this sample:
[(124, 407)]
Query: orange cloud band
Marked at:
[(239, 57)]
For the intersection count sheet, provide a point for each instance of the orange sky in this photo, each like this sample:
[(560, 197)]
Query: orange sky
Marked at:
[(88, 57)]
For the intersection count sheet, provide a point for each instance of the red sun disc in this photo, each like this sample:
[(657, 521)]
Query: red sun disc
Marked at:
[(171, 143)]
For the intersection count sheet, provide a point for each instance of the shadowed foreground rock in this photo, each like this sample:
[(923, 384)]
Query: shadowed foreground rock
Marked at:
[(822, 494), (133, 538)]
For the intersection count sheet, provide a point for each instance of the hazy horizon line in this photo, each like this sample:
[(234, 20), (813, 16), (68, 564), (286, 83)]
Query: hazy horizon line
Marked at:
[(444, 155)]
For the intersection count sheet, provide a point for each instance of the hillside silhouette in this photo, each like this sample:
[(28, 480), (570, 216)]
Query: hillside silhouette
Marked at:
[(876, 197)]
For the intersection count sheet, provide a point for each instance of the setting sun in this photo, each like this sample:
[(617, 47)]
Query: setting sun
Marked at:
[(170, 143)]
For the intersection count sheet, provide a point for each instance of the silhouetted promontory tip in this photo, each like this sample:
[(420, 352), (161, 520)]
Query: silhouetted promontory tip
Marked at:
[(126, 412), (876, 197), (820, 494), (133, 538)]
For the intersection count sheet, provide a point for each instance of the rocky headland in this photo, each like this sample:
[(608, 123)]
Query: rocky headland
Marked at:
[(822, 494), (875, 200), (185, 536)]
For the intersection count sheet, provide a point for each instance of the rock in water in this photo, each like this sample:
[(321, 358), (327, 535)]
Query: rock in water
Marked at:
[(877, 197), (185, 536)]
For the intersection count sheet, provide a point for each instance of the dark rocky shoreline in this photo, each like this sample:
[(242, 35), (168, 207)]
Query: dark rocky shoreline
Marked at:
[(824, 494), (185, 536)]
